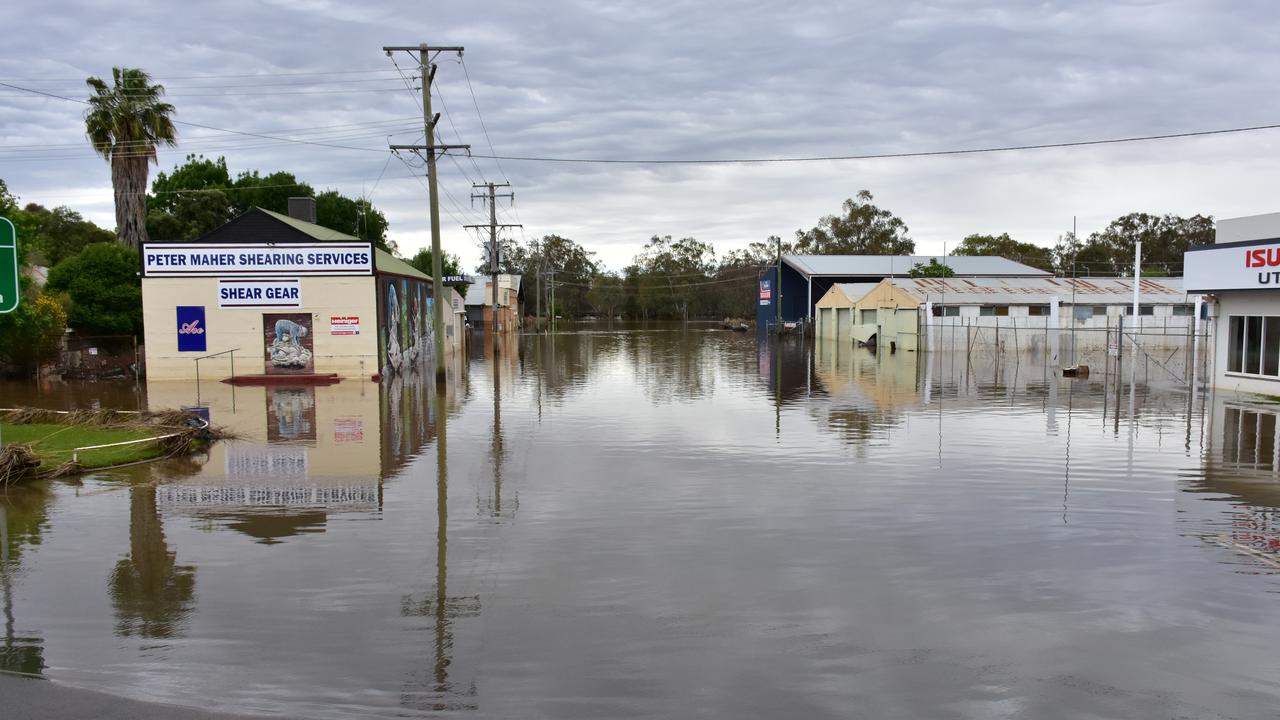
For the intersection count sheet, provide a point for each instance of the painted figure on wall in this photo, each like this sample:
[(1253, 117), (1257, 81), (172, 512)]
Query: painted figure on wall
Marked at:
[(288, 343), (405, 340)]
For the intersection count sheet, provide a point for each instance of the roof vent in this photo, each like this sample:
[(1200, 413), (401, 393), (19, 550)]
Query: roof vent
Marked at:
[(302, 208)]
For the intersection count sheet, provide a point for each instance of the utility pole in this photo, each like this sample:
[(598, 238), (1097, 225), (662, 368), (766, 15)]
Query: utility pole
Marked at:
[(429, 120), (777, 292), (493, 243)]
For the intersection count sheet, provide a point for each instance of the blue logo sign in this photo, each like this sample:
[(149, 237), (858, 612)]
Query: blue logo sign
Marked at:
[(191, 328)]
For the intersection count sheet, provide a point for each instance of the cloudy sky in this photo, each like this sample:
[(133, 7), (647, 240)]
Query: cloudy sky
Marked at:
[(710, 80)]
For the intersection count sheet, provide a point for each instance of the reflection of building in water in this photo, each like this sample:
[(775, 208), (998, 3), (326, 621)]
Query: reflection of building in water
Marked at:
[(862, 392), (1242, 464), (291, 414)]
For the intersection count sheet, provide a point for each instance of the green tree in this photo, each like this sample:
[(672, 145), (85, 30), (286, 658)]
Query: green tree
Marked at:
[(61, 232), (449, 263), (106, 294), (862, 229), (1164, 239), (353, 217), (191, 215), (270, 192), (1006, 247), (125, 122), (673, 274), (932, 269), (194, 176)]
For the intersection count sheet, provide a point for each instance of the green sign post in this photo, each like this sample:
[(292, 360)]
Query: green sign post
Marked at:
[(9, 293)]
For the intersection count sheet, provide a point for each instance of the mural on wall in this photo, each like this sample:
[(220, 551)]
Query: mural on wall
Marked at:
[(405, 334), (291, 414), (288, 343)]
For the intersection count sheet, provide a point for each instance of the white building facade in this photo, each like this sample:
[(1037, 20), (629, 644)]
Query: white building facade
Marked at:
[(1240, 274)]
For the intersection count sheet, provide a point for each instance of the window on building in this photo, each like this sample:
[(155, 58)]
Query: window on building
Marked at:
[(867, 317), (1100, 310), (951, 311), (1181, 310), (1000, 310), (986, 310), (1142, 310), (1253, 345), (1081, 312), (937, 311), (1038, 310)]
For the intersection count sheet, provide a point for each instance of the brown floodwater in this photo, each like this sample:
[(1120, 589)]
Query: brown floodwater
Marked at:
[(665, 522)]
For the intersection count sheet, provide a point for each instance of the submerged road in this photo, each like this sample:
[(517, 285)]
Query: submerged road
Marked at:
[(27, 698)]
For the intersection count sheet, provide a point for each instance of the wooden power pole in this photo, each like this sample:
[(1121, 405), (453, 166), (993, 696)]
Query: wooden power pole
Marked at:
[(494, 266), (428, 71)]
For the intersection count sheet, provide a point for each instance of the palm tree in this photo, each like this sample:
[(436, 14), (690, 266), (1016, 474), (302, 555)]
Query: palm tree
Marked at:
[(125, 122)]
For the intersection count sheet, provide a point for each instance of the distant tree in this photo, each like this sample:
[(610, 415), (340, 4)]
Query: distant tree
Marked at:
[(1164, 239), (353, 217), (125, 122), (933, 269), (1006, 247), (607, 294), (862, 229), (61, 232), (449, 263), (196, 175), (269, 192), (671, 273), (102, 283), (191, 215)]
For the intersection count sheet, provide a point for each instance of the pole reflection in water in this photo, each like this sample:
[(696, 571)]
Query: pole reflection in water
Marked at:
[(442, 693)]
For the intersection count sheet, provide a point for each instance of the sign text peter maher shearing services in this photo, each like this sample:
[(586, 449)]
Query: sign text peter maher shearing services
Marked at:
[(225, 259)]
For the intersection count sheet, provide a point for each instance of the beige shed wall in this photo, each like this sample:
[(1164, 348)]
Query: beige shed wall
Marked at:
[(241, 328)]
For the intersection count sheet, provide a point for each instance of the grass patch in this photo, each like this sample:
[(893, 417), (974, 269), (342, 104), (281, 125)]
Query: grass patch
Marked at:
[(53, 443)]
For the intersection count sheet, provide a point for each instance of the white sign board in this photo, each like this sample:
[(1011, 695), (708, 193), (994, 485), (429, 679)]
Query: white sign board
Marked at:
[(1243, 266), (344, 325), (259, 293), (231, 259)]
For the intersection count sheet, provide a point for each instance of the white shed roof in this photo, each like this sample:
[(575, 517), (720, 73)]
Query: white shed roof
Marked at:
[(879, 266), (1032, 291)]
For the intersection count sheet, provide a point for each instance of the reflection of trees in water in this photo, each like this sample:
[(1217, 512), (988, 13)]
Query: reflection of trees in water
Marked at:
[(24, 513), (674, 366), (563, 363), (151, 593)]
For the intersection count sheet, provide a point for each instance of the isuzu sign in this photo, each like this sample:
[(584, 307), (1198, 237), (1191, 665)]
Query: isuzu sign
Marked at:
[(231, 259), (1253, 265)]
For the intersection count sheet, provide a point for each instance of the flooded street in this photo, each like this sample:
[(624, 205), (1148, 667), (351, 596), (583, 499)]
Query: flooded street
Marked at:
[(670, 523)]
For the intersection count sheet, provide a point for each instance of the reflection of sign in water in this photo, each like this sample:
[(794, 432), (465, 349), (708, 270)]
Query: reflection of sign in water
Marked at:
[(288, 343), (203, 495), (268, 293), (344, 325), (291, 414), (348, 429), (191, 328), (255, 462)]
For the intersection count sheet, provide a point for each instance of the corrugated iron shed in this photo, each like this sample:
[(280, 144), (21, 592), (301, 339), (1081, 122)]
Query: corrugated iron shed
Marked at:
[(1031, 291), (879, 266)]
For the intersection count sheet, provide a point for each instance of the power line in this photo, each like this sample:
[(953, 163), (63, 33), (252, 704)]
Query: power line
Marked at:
[(882, 156), (216, 77)]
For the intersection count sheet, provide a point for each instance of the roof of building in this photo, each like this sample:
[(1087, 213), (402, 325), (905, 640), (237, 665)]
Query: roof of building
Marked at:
[(266, 226), (851, 292), (1030, 291), (480, 294), (879, 266)]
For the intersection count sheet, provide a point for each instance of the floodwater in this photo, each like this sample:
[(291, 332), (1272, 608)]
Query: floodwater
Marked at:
[(672, 523)]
